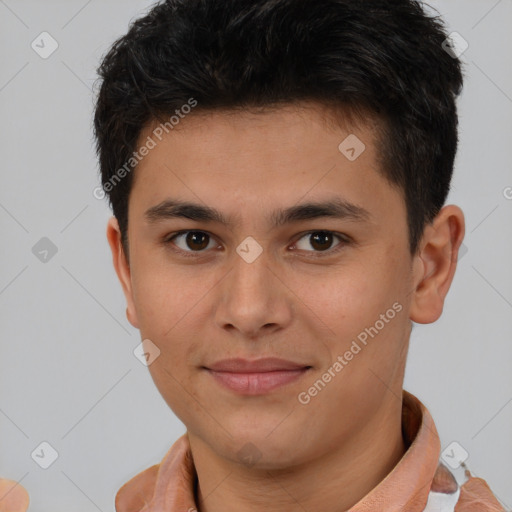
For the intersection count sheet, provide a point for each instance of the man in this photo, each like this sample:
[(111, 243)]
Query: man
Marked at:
[(278, 171)]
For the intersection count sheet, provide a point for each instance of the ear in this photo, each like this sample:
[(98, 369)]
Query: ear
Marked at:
[(435, 264), (122, 268)]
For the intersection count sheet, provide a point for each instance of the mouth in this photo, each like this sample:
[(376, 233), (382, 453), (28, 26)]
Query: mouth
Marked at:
[(256, 377)]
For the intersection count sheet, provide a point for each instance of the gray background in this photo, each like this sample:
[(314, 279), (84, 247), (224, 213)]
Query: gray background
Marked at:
[(67, 372)]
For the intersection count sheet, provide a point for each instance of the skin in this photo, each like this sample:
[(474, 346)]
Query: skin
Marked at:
[(329, 453), (13, 497)]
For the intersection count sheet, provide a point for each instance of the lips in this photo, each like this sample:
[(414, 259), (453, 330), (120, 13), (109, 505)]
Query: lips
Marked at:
[(268, 364), (256, 377)]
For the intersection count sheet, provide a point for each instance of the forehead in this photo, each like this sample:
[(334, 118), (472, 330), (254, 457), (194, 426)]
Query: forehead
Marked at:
[(273, 139), (295, 153), (328, 117)]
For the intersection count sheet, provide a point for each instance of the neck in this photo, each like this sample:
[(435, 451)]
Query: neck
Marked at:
[(331, 482)]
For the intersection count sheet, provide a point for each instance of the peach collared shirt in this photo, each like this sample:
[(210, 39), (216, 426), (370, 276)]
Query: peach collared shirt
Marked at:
[(418, 483)]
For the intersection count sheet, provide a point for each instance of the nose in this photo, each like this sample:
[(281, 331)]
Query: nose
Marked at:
[(252, 300)]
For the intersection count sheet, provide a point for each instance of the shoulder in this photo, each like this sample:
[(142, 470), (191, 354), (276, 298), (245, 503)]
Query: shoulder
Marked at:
[(473, 496), (176, 469), (138, 491), (476, 496)]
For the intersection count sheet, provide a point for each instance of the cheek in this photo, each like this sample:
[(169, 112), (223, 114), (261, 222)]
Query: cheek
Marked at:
[(172, 380), (363, 306), (168, 304), (347, 299), (161, 299)]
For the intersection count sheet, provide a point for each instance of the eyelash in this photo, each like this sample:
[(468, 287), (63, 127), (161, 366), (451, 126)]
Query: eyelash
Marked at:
[(345, 240)]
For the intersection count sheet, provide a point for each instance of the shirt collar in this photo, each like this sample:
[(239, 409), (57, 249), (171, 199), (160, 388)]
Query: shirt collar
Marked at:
[(407, 486)]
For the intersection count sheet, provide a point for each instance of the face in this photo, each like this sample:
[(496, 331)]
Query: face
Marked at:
[(296, 250)]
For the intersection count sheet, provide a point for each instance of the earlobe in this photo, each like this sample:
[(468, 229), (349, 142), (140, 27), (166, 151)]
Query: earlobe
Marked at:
[(122, 268), (435, 264)]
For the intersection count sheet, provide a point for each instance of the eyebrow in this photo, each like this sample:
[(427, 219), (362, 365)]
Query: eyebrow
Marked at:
[(337, 208)]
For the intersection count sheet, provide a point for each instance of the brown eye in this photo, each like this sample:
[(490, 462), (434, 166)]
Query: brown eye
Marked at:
[(192, 241), (320, 241), (197, 240)]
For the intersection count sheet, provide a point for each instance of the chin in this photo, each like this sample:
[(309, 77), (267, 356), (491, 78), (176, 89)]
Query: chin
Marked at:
[(259, 450)]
